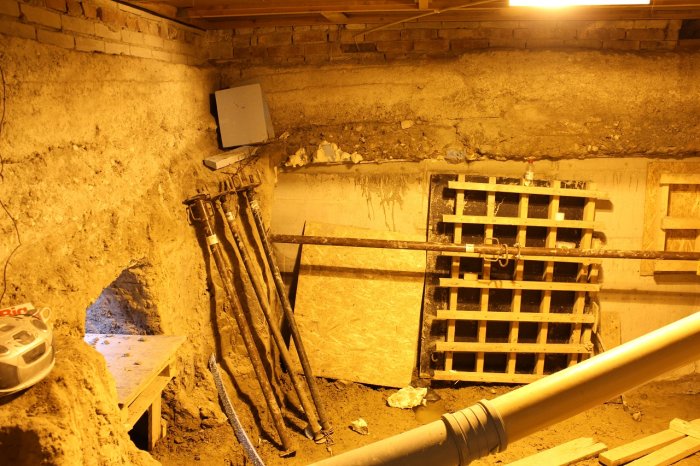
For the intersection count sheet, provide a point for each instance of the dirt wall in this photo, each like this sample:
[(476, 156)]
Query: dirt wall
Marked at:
[(98, 153), (492, 104)]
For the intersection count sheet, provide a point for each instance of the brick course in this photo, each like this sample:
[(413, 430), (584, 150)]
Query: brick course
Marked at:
[(274, 39), (13, 28), (38, 15), (58, 39), (9, 8), (352, 42), (85, 44), (105, 27), (80, 25), (59, 5)]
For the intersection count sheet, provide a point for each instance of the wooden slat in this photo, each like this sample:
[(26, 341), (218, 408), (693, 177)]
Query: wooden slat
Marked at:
[(691, 429), (454, 272), (529, 222), (160, 8), (510, 317), (545, 303), (669, 454), (154, 423), (577, 333), (520, 238), (655, 209), (134, 360), (680, 178), (676, 266), (335, 17), (145, 399), (662, 210), (280, 7), (564, 454), (521, 189), (519, 285), (577, 260), (486, 274), (680, 223), (640, 447), (492, 377), (495, 13), (539, 348)]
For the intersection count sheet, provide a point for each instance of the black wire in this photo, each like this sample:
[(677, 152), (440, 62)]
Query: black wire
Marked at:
[(2, 120), (7, 261), (2, 179)]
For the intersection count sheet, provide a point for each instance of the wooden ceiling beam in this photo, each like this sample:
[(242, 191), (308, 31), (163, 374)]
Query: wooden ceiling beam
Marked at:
[(335, 17), (306, 7), (161, 9), (332, 9), (500, 14)]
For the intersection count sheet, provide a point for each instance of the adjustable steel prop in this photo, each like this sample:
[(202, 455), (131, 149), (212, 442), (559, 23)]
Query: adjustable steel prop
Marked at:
[(227, 200), (201, 212), (254, 206)]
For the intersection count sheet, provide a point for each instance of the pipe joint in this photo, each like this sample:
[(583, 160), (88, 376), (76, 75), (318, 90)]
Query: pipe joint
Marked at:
[(477, 431)]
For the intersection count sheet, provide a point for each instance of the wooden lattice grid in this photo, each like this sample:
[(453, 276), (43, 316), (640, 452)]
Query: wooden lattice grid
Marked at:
[(517, 323)]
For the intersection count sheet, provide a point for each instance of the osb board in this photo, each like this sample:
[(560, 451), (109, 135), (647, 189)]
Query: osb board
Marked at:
[(134, 360), (358, 309), (683, 200)]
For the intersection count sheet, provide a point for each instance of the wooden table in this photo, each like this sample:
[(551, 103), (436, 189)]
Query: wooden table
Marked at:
[(142, 365)]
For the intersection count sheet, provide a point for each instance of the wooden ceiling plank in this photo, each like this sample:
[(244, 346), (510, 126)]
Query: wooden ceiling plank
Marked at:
[(471, 15), (370, 12), (308, 6), (162, 9), (335, 17), (423, 4)]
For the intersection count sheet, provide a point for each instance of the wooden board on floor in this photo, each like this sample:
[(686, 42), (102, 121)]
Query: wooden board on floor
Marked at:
[(134, 360), (564, 454), (358, 309), (646, 445), (669, 454)]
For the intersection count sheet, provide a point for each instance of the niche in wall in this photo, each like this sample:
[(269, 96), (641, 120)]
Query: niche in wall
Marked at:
[(126, 306)]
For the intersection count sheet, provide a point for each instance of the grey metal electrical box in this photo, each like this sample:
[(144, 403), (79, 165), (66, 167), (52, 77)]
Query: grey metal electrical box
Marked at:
[(244, 117)]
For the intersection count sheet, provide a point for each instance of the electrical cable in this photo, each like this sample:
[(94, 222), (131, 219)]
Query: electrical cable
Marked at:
[(2, 179), (464, 6)]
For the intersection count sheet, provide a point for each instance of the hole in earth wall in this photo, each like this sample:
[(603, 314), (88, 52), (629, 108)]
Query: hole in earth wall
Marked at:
[(125, 307)]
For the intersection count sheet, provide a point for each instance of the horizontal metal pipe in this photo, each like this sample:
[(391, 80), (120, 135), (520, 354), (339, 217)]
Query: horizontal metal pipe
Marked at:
[(500, 250), (489, 426)]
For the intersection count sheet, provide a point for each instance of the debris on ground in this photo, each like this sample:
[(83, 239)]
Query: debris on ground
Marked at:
[(360, 426), (407, 397), (299, 159), (330, 152)]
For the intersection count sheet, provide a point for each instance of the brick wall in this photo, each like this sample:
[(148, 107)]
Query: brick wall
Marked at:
[(321, 44), (102, 26)]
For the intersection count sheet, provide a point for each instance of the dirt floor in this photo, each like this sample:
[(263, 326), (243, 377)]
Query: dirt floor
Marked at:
[(649, 410)]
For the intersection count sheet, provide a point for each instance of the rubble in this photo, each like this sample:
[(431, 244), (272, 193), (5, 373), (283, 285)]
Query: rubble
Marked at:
[(407, 397), (360, 426)]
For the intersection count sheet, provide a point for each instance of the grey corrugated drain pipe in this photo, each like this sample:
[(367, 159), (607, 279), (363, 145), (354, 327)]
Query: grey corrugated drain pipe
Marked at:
[(489, 426)]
